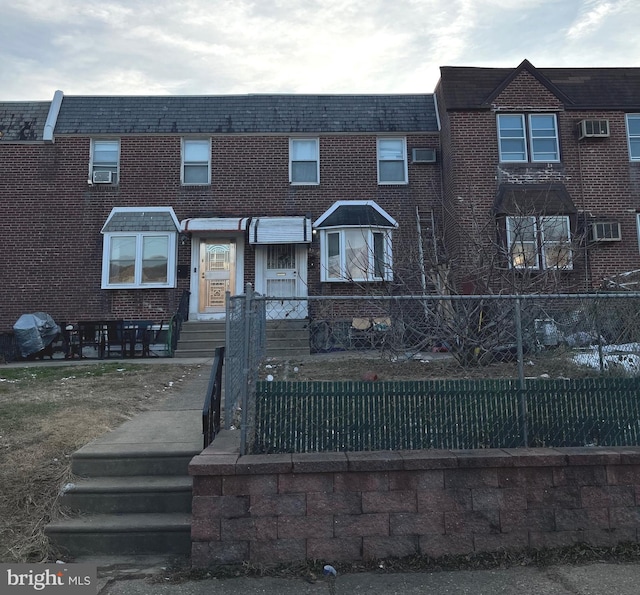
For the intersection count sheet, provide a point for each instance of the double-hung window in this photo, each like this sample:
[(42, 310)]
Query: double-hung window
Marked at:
[(196, 161), (542, 242), (392, 161), (304, 161), (531, 137), (105, 159), (633, 136), (139, 248)]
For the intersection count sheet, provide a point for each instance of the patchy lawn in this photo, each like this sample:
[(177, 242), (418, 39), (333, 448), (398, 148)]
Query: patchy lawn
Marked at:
[(47, 413)]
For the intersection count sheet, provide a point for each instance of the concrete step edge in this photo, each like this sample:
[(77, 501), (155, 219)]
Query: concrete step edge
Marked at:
[(122, 484), (122, 523)]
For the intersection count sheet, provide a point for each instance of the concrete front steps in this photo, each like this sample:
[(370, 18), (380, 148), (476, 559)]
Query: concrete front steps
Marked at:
[(284, 338), (132, 492)]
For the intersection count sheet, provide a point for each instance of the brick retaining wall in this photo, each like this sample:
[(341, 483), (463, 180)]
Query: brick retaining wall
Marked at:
[(353, 506)]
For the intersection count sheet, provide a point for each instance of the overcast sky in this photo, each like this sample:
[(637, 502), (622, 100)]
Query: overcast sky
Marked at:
[(196, 47)]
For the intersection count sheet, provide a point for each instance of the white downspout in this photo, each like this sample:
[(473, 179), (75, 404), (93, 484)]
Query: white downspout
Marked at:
[(52, 117)]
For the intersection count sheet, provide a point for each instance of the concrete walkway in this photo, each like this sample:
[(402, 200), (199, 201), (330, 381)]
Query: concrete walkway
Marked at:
[(176, 422)]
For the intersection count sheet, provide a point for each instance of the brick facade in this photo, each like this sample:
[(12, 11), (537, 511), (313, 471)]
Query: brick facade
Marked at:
[(596, 172), (345, 507), (51, 254)]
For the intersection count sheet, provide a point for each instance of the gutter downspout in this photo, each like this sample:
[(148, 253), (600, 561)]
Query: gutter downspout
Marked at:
[(52, 117)]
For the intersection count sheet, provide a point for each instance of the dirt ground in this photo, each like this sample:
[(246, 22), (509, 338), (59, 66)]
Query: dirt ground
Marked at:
[(370, 366), (46, 413)]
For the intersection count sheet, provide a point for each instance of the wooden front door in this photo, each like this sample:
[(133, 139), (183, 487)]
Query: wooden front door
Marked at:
[(217, 274)]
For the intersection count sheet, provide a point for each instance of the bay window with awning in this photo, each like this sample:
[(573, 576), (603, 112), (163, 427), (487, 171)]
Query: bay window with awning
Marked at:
[(355, 242), (139, 248), (537, 225)]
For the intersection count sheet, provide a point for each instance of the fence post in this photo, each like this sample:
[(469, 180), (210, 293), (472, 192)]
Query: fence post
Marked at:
[(228, 408), (524, 421), (248, 306)]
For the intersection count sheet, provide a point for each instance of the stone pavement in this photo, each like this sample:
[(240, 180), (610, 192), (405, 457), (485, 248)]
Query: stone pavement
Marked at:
[(593, 579)]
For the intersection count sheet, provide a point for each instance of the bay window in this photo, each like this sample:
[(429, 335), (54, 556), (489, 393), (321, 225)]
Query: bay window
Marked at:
[(139, 249), (541, 242)]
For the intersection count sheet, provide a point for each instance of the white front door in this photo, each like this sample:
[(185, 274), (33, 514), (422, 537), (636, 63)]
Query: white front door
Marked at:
[(217, 266), (281, 272)]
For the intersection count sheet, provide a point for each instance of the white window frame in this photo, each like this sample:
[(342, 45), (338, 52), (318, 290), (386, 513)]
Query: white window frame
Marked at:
[(292, 142), (633, 140), (184, 163), (541, 246), (528, 138), (111, 166), (369, 234), (403, 146)]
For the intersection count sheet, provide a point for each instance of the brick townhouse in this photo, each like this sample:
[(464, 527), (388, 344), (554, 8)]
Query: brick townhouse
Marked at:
[(541, 174), (115, 205), (519, 179)]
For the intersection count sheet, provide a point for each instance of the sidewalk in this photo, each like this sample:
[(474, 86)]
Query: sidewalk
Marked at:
[(180, 414), (593, 579)]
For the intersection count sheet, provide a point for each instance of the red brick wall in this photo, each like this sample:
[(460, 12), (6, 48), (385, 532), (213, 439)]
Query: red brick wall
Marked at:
[(596, 172), (50, 241), (354, 506)]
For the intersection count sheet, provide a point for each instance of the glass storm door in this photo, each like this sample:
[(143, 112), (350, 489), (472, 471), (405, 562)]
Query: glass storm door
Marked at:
[(217, 274), (285, 276)]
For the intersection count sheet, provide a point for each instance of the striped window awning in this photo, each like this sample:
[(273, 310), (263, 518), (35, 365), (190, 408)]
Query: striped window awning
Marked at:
[(280, 230)]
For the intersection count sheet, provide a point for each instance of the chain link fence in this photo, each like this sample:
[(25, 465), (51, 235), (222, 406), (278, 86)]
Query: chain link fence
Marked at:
[(562, 336), (245, 348)]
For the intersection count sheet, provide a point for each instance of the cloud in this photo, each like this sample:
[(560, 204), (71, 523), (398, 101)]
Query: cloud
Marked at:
[(289, 46)]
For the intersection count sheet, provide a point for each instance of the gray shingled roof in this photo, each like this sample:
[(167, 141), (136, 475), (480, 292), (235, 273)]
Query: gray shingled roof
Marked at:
[(140, 221), (586, 88), (234, 114), (22, 121)]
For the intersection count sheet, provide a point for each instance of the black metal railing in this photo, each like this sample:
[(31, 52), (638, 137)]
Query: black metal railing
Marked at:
[(213, 399), (175, 324)]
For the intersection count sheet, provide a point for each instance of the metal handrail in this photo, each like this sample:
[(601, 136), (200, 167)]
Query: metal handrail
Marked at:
[(213, 399), (175, 324)]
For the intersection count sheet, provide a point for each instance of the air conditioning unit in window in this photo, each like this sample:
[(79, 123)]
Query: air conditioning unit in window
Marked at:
[(593, 129), (423, 155), (102, 176), (605, 231)]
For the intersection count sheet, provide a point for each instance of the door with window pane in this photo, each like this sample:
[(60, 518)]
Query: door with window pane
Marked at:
[(217, 274), (282, 273)]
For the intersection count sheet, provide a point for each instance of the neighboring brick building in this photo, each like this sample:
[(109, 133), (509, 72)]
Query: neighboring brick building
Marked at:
[(520, 179), (541, 176), (115, 205)]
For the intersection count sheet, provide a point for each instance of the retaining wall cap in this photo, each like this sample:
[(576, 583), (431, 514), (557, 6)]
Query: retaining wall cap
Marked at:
[(320, 462)]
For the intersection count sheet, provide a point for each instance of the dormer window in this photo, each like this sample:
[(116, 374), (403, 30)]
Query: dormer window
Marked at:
[(528, 138)]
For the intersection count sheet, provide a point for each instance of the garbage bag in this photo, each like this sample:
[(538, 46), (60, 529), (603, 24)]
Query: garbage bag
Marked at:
[(34, 332)]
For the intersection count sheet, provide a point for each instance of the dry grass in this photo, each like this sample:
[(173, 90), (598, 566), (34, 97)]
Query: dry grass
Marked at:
[(47, 413)]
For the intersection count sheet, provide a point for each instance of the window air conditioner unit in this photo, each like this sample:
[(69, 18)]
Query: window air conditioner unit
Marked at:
[(423, 155), (605, 231), (102, 176), (593, 129)]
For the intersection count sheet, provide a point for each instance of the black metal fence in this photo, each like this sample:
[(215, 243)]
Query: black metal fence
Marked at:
[(213, 400), (175, 324)]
